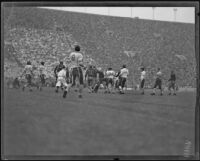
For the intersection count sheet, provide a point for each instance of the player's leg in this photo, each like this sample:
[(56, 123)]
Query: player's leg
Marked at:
[(80, 82), (174, 88), (29, 81), (154, 88), (170, 87), (94, 81), (160, 87), (109, 85), (74, 73), (58, 84), (123, 81), (66, 88), (142, 86), (41, 82), (120, 85), (96, 86), (89, 84)]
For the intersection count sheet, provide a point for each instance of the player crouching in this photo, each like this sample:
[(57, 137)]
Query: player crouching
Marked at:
[(61, 80)]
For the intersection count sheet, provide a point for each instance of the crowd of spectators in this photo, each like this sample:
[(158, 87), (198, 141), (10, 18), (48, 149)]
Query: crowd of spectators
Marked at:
[(105, 41)]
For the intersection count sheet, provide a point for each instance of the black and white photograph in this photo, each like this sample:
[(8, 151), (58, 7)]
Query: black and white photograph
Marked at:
[(100, 80)]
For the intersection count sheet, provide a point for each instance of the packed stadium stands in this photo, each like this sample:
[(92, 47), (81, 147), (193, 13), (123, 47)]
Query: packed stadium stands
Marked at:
[(38, 34)]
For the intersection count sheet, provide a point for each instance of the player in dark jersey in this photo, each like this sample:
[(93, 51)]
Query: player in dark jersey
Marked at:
[(172, 82), (100, 80), (158, 82), (90, 75)]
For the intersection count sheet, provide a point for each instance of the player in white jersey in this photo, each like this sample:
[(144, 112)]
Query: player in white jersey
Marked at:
[(142, 80), (76, 72), (123, 75), (110, 74), (61, 80), (42, 74), (28, 72), (158, 82)]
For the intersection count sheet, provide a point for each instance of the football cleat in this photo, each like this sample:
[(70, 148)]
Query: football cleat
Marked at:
[(79, 96), (153, 94)]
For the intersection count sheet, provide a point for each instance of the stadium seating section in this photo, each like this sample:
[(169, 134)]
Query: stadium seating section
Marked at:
[(38, 34)]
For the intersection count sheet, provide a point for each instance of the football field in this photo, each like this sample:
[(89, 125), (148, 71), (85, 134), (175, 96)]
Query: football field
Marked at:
[(43, 123)]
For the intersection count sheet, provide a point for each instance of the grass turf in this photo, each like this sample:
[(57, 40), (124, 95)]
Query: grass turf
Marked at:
[(43, 123)]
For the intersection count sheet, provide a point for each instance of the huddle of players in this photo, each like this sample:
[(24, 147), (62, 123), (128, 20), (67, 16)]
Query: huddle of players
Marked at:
[(94, 77), (111, 80)]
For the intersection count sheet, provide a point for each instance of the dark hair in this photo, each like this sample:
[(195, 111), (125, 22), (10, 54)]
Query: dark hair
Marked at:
[(77, 48), (124, 66), (61, 62), (42, 63), (158, 68), (142, 68), (109, 68), (28, 63)]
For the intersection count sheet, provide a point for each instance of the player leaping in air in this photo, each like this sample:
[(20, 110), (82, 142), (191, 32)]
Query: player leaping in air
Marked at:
[(76, 59)]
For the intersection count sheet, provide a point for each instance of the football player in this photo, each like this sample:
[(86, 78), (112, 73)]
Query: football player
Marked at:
[(100, 80), (158, 82), (172, 82), (58, 68), (110, 74), (42, 74), (90, 76), (76, 59), (124, 72), (28, 72), (142, 80), (61, 80)]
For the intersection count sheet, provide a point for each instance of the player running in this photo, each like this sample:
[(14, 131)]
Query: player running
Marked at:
[(124, 72), (142, 80), (172, 82), (158, 82), (61, 81), (76, 59), (28, 71)]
